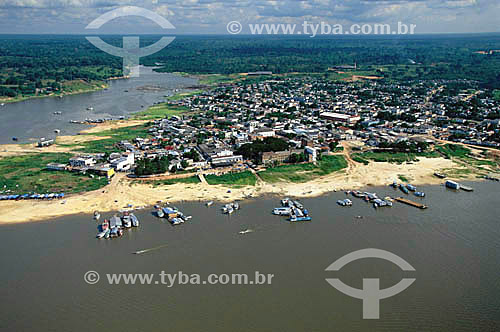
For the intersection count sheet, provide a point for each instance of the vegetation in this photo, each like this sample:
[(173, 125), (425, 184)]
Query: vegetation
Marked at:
[(108, 145), (28, 173), (391, 157), (160, 111), (453, 150), (34, 66), (145, 166), (254, 150), (496, 94), (403, 178), (189, 180), (245, 178), (304, 172)]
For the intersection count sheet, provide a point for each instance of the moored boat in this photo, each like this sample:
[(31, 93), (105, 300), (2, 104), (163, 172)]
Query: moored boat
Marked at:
[(452, 184), (419, 194), (282, 211), (135, 221), (403, 189), (411, 187)]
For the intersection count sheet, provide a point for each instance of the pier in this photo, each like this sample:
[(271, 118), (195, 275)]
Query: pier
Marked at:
[(412, 203)]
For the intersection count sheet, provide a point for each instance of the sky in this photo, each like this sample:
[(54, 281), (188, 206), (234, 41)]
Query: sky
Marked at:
[(212, 17)]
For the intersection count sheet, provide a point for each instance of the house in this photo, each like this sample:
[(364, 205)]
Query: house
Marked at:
[(278, 156), (56, 167), (82, 161), (340, 117), (124, 163)]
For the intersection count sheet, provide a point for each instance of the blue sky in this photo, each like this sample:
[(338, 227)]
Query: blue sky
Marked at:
[(205, 17)]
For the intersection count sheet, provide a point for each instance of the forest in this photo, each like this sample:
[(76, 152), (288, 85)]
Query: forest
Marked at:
[(33, 64)]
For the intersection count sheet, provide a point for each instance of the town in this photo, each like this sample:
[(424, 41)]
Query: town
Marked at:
[(301, 120)]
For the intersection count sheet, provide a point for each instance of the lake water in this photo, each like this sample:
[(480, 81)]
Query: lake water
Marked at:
[(454, 247), (35, 118)]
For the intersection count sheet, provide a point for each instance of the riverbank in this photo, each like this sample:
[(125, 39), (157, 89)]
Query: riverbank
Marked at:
[(123, 191), (82, 87)]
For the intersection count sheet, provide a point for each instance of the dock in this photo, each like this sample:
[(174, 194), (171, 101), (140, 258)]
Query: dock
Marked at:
[(411, 203)]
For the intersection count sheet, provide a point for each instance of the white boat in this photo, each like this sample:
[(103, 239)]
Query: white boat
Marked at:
[(97, 215), (209, 203), (100, 235), (230, 210), (135, 221), (127, 222), (246, 231), (236, 206), (160, 213), (282, 211), (90, 108), (57, 131)]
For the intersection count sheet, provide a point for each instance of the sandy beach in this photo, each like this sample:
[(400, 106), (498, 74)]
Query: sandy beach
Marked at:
[(123, 191)]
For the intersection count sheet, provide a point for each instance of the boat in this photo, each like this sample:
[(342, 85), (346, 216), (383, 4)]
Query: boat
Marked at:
[(57, 113), (2, 104), (452, 184), (236, 206), (440, 175), (160, 213), (282, 211), (14, 139), (298, 205), (176, 221), (388, 199), (411, 187), (394, 184), (419, 194), (379, 203), (209, 203), (465, 188), (105, 225), (100, 235), (344, 202), (57, 131), (116, 232), (115, 222), (246, 231), (403, 189), (297, 218), (90, 108), (135, 221), (97, 215), (127, 222), (285, 201), (358, 194), (229, 210)]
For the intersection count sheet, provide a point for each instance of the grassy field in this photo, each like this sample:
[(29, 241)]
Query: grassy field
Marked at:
[(245, 178), (214, 79), (184, 95), (160, 111), (27, 173), (117, 135), (397, 158), (453, 150), (304, 172)]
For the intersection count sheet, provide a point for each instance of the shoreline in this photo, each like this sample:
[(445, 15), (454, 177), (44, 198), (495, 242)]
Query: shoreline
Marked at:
[(102, 85), (123, 191)]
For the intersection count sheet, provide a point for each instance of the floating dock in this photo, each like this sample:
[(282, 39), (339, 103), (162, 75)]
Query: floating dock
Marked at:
[(412, 203)]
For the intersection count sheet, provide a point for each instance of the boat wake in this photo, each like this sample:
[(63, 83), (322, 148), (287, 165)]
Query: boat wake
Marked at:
[(140, 252)]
